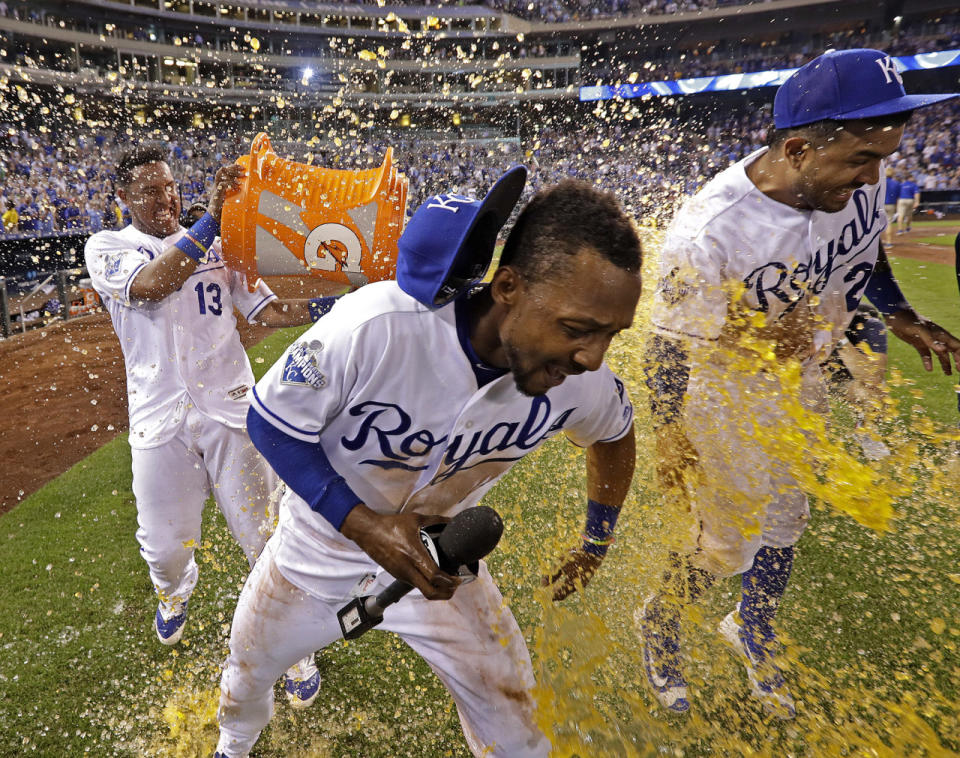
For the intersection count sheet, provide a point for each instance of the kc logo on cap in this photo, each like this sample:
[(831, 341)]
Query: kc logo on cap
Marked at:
[(450, 202), (889, 69)]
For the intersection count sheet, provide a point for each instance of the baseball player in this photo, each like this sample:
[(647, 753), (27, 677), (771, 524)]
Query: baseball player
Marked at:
[(397, 414), (776, 251), (172, 304)]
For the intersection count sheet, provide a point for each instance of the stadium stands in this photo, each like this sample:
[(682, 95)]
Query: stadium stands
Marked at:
[(458, 90), (67, 185)]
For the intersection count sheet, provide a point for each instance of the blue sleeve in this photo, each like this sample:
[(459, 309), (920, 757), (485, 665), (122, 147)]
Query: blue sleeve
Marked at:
[(305, 468), (667, 373), (882, 289)]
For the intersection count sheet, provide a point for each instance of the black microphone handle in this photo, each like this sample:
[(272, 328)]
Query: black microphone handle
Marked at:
[(375, 604)]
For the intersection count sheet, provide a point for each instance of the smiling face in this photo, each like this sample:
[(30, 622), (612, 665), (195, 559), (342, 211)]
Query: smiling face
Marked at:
[(153, 199), (825, 176), (563, 325)]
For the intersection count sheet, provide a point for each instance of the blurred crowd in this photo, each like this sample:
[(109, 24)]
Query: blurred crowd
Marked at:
[(550, 11), (607, 61), (559, 11), (651, 161), (785, 50), (52, 185)]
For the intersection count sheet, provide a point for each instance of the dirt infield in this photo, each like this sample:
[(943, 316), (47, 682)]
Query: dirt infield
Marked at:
[(64, 394), (65, 391), (922, 251)]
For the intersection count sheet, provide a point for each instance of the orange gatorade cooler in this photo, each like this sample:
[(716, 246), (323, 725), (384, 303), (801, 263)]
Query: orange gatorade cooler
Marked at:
[(290, 219)]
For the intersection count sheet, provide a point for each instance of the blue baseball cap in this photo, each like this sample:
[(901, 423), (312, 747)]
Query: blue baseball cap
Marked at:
[(448, 243), (845, 85)]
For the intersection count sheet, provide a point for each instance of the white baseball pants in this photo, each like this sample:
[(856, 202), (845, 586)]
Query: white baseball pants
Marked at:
[(171, 483), (472, 642), (905, 207), (747, 498)]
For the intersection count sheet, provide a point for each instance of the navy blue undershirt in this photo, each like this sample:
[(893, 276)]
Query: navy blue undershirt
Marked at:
[(484, 372)]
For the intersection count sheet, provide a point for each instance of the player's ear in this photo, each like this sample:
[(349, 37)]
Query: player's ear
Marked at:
[(506, 285), (795, 149)]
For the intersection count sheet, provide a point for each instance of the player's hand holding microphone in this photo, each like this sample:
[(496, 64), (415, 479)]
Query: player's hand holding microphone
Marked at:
[(425, 552), (393, 541)]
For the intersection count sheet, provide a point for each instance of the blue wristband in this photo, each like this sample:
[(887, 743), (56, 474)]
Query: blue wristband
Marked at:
[(196, 242), (598, 532), (320, 306)]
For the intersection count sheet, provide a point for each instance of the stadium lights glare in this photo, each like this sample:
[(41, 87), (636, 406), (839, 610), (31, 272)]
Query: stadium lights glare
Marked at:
[(307, 75)]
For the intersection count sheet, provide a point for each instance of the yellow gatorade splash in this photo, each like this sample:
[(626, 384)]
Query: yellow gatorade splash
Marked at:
[(869, 623), (870, 642), (191, 717)]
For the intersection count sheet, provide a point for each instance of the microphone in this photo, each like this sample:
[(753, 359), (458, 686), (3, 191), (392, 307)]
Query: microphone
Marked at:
[(468, 537)]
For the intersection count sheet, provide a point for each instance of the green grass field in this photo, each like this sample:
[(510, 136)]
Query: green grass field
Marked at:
[(945, 239), (872, 618), (941, 224), (944, 232)]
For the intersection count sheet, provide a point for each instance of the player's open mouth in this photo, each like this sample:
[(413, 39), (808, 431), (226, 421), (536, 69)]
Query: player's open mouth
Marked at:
[(555, 375)]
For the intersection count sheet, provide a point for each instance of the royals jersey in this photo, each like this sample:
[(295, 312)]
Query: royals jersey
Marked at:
[(181, 350), (786, 260), (386, 386)]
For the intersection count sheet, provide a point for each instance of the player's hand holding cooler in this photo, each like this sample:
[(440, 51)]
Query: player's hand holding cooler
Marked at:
[(225, 183)]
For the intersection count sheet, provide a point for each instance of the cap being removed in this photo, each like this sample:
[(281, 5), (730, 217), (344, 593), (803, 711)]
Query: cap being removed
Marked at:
[(448, 243)]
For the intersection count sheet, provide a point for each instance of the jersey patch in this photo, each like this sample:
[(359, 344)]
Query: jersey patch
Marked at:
[(672, 288), (301, 369), (113, 265), (238, 393)]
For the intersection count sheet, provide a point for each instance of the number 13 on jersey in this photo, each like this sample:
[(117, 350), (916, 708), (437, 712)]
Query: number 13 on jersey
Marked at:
[(208, 298)]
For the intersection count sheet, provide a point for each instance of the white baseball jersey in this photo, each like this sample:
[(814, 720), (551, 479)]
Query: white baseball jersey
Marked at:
[(387, 388), (803, 272), (786, 258), (180, 351)]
